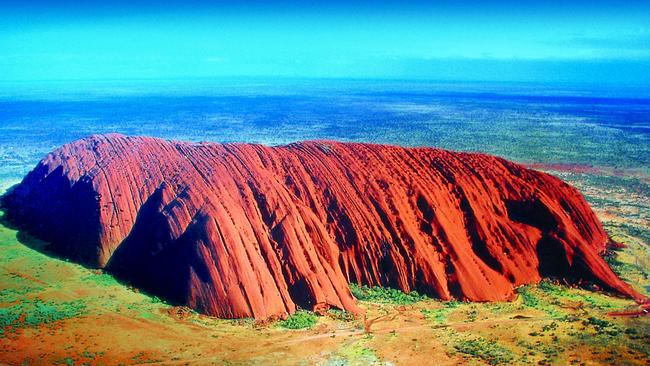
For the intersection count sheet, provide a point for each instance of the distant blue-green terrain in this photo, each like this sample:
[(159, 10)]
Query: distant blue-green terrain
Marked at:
[(530, 123)]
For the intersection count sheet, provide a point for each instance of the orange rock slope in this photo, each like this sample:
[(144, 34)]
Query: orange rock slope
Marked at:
[(244, 230)]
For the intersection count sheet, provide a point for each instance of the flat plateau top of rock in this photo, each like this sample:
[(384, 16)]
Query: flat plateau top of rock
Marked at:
[(245, 230)]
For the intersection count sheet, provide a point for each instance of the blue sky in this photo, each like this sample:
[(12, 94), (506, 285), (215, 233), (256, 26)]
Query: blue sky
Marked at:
[(585, 41)]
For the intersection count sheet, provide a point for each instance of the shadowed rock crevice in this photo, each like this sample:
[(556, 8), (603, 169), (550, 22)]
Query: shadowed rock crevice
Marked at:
[(150, 258), (552, 257), (241, 230), (51, 207)]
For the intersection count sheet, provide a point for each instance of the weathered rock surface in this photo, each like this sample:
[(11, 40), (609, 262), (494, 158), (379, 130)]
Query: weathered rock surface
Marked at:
[(240, 230)]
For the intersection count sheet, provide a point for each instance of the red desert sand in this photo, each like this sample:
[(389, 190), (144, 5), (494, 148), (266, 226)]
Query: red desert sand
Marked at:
[(245, 230)]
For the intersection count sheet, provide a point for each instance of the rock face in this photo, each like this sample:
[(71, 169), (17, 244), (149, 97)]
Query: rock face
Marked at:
[(243, 230)]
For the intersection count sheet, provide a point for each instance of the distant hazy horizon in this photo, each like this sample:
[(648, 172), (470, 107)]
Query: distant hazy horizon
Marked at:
[(523, 122)]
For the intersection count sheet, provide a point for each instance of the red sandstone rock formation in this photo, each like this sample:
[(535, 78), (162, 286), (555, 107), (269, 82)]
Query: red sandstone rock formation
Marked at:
[(241, 230)]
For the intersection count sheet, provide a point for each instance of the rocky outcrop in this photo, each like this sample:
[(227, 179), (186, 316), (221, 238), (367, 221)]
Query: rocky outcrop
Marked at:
[(244, 230)]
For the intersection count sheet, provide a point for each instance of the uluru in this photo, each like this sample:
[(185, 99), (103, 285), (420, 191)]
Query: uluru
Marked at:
[(245, 230)]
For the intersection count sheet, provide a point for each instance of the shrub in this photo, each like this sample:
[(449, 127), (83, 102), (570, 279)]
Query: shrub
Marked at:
[(341, 315), (385, 295), (548, 327), (300, 320)]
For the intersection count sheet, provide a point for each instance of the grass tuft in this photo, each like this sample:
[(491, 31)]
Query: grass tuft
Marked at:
[(488, 351), (37, 312)]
